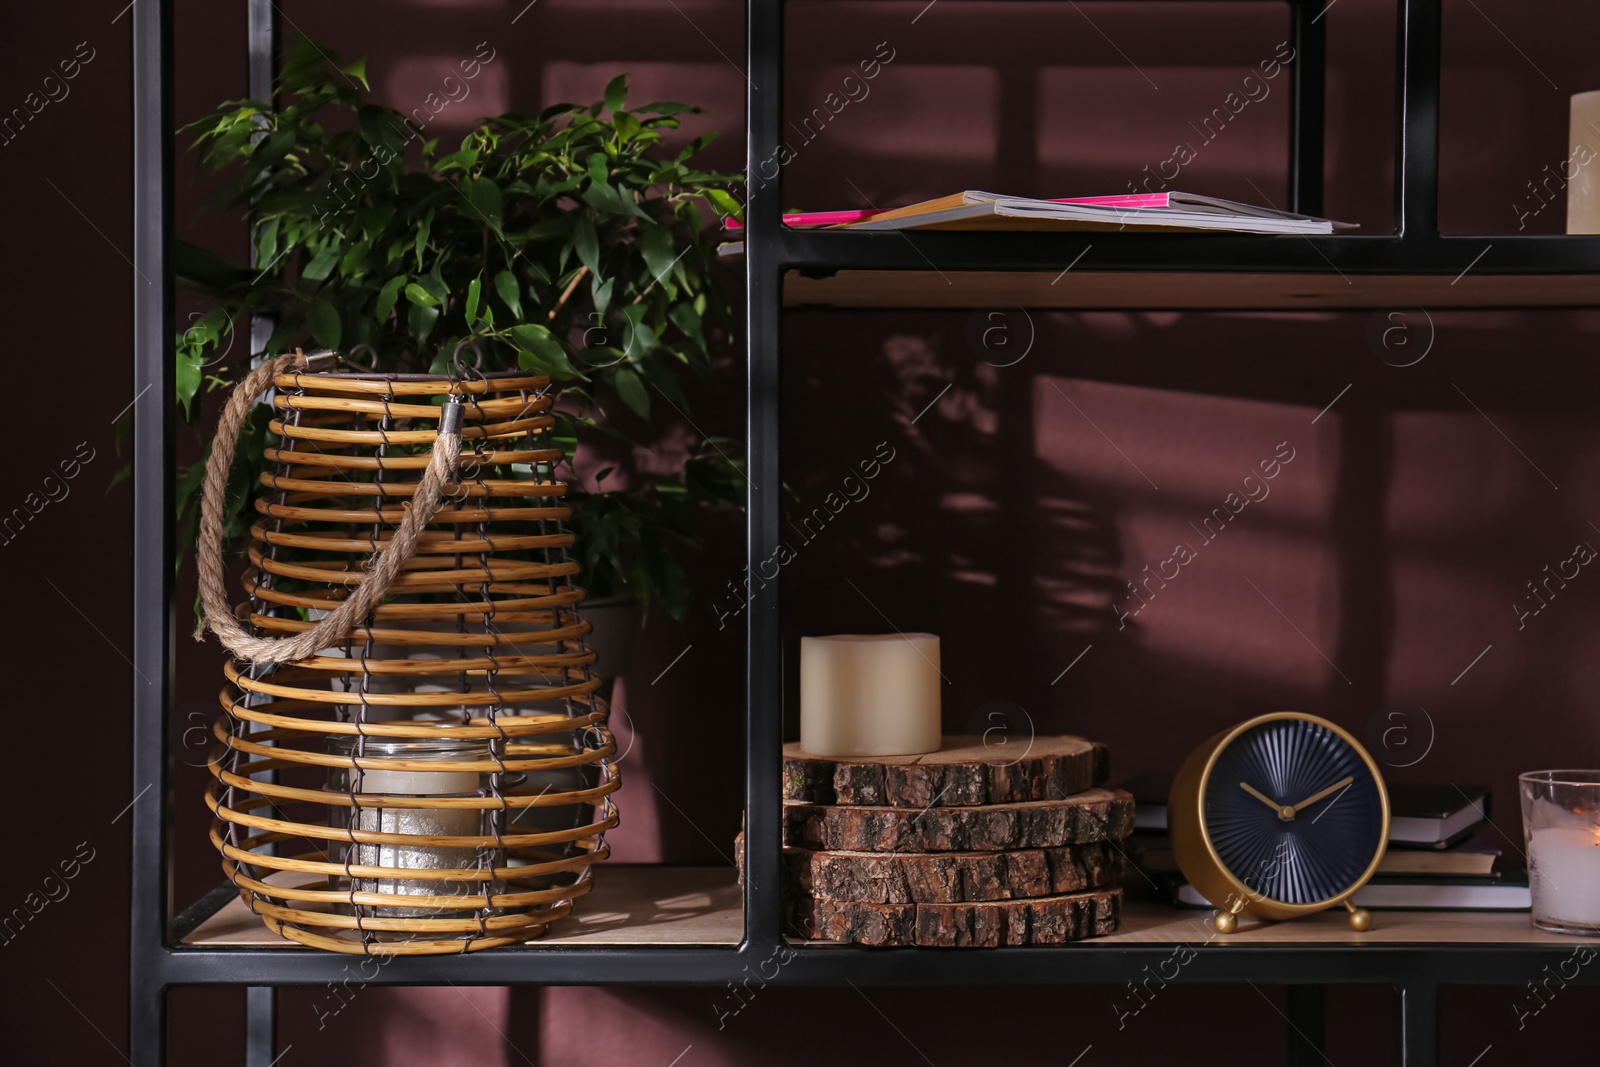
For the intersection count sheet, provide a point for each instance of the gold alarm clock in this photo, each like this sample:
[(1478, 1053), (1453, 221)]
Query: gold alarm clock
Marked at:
[(1279, 817)]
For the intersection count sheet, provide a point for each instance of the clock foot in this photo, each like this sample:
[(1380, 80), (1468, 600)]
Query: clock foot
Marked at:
[(1360, 918), (1227, 922)]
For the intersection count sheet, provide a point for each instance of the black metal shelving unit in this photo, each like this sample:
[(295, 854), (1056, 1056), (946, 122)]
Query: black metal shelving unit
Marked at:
[(1415, 256)]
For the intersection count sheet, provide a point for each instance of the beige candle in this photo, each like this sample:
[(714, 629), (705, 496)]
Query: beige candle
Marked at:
[(869, 694), (1582, 172)]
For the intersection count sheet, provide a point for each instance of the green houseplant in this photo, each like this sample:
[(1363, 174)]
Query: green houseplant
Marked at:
[(568, 242)]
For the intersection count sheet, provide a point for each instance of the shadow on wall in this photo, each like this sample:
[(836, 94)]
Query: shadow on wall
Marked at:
[(1147, 559)]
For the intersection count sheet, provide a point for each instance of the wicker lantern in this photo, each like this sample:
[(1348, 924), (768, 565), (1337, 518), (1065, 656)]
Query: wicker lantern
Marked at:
[(414, 757)]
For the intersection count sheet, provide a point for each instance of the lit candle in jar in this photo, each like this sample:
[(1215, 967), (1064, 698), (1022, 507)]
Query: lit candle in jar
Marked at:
[(869, 695), (418, 821), (1564, 867)]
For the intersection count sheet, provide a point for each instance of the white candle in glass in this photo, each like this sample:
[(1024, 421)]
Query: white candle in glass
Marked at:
[(452, 822), (870, 694), (421, 783), (1565, 871)]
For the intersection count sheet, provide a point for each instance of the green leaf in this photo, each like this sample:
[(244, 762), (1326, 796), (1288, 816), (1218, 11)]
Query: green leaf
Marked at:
[(322, 263), (541, 350), (505, 283), (474, 287), (607, 198), (272, 148), (187, 375), (267, 242), (380, 127), (617, 93), (630, 387), (387, 296), (484, 195), (420, 297), (421, 242), (357, 70), (724, 203), (434, 283), (601, 292), (323, 318), (656, 247), (667, 107), (421, 320), (351, 262), (587, 244), (687, 319)]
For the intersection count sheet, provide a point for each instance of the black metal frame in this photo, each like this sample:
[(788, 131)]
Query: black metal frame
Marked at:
[(158, 960)]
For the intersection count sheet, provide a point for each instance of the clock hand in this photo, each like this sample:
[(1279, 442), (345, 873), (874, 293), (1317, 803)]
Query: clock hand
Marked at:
[(1334, 788), (1284, 811)]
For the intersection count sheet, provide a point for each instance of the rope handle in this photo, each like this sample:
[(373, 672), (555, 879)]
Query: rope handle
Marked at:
[(383, 569)]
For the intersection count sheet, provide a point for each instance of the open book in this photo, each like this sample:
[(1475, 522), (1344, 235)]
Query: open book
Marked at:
[(973, 210)]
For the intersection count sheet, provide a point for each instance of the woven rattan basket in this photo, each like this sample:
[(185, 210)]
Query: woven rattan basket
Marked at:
[(436, 777)]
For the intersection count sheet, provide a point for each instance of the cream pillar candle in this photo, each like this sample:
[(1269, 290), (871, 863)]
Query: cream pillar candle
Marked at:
[(1583, 171), (869, 694)]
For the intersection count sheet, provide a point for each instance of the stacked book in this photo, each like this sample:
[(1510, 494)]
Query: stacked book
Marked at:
[(1438, 856), (963, 847)]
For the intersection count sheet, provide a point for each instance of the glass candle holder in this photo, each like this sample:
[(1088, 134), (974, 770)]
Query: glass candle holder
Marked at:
[(1561, 824), (417, 822)]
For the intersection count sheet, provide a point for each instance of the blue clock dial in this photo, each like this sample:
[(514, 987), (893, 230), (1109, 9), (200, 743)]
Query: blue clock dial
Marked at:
[(1293, 811)]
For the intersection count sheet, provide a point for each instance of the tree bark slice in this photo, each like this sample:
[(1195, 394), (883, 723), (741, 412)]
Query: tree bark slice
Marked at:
[(1041, 921), (965, 772), (948, 877), (1096, 815)]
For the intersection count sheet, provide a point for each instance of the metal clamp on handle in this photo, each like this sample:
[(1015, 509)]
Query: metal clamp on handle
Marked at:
[(321, 362), (450, 418)]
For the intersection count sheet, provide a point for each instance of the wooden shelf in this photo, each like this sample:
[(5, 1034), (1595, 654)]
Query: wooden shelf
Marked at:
[(629, 906), (1185, 290), (635, 906), (1151, 922), (1148, 921)]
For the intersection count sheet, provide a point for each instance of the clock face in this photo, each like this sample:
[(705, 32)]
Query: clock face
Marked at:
[(1294, 811)]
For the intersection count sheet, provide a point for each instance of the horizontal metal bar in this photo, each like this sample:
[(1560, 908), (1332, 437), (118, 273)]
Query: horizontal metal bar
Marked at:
[(1086, 963), (813, 250)]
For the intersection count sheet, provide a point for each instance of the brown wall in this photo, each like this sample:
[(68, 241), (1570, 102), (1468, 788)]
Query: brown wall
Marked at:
[(1394, 542)]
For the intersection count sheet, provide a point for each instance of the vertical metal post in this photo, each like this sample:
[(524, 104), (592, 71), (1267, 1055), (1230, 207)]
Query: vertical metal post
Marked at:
[(152, 528), (261, 1026), (1417, 153), (1308, 103), (1419, 1026), (1306, 1032), (764, 282), (262, 18), (262, 27)]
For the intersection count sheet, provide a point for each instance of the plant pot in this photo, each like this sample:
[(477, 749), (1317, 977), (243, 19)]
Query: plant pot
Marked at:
[(615, 622)]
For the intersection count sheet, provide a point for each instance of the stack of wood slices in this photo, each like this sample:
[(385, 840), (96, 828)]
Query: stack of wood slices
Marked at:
[(967, 846)]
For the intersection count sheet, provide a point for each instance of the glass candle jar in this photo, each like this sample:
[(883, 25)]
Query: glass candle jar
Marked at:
[(1561, 823), (420, 821)]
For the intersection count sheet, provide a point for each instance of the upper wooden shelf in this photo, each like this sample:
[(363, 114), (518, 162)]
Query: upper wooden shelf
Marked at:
[(1177, 271), (1185, 290)]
